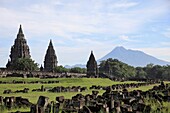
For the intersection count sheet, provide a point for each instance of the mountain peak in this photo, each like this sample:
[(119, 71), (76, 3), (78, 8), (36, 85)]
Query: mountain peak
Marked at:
[(133, 57), (119, 48)]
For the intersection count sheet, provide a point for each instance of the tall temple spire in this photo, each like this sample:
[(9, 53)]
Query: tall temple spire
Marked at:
[(50, 61), (92, 69), (20, 49)]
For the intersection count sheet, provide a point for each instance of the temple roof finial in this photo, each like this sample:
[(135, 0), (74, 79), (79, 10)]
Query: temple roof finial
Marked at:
[(20, 30), (92, 56), (50, 44)]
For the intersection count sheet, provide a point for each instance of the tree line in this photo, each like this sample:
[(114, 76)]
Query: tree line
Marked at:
[(61, 69), (110, 67), (27, 64)]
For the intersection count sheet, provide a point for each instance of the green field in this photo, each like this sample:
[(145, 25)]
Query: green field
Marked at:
[(33, 96)]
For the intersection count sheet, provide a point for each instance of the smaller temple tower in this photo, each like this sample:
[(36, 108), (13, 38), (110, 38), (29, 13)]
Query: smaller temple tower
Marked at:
[(92, 69), (50, 58)]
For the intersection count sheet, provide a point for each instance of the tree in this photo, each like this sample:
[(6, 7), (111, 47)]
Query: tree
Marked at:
[(140, 73), (157, 71), (77, 70), (24, 64), (61, 69), (154, 71), (116, 68), (166, 72)]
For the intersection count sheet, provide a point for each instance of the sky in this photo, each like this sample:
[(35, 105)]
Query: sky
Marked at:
[(78, 26)]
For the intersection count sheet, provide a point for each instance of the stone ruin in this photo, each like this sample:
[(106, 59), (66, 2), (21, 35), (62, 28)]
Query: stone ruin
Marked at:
[(111, 101)]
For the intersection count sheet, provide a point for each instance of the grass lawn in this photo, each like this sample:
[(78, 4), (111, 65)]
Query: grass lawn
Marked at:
[(33, 96)]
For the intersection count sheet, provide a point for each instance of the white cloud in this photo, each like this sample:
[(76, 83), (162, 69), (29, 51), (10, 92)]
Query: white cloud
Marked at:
[(129, 39), (124, 4), (72, 18), (3, 56), (166, 33), (123, 37)]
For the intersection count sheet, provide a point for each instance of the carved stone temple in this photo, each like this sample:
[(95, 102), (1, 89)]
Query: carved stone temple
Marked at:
[(20, 49), (50, 61), (92, 69)]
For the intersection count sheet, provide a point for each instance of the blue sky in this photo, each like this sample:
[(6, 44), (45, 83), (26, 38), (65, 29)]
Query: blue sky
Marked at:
[(79, 26)]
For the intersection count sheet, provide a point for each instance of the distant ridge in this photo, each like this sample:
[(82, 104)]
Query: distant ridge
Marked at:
[(76, 65), (133, 57)]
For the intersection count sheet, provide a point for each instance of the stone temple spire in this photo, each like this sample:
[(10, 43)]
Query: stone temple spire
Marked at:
[(92, 69), (20, 49), (50, 61)]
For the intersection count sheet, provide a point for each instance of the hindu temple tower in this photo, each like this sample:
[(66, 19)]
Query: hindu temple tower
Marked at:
[(92, 69), (50, 61), (20, 49)]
